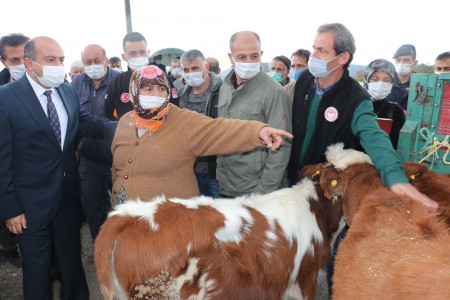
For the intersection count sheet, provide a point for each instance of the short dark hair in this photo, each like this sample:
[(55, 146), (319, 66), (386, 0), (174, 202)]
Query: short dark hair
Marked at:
[(286, 61), (12, 40), (114, 59), (303, 53), (133, 37), (443, 56)]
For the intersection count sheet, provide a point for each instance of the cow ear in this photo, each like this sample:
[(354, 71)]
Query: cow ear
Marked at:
[(414, 169), (312, 172), (330, 183)]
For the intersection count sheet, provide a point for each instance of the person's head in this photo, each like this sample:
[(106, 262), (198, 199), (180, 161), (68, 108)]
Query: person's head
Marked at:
[(95, 61), (76, 68), (135, 50), (379, 78), (245, 54), (11, 53), (115, 63), (442, 63), (333, 50), (175, 68), (213, 65), (194, 67), (405, 60), (149, 91), (299, 62), (279, 68), (44, 61)]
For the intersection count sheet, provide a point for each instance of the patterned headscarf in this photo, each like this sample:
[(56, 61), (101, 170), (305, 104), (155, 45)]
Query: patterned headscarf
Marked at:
[(146, 76)]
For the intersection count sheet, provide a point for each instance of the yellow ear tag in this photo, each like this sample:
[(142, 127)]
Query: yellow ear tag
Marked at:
[(333, 183), (412, 177), (315, 174)]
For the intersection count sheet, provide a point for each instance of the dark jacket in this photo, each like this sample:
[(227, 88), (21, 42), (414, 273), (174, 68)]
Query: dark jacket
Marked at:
[(5, 76), (345, 97), (38, 178), (399, 93), (93, 100), (117, 101), (211, 111)]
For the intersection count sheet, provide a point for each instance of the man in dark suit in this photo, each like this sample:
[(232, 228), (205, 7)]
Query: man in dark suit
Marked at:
[(11, 56), (40, 117)]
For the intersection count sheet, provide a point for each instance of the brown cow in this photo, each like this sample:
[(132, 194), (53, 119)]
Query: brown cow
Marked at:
[(258, 247), (394, 248), (436, 186)]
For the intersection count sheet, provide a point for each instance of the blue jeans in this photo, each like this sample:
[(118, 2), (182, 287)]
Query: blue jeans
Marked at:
[(207, 186), (330, 266), (95, 186)]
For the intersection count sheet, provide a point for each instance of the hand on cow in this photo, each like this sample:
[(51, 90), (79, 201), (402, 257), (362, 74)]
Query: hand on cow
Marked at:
[(16, 224), (406, 189), (273, 138)]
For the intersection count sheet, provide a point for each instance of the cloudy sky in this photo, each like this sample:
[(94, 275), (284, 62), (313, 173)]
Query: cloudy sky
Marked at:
[(379, 27)]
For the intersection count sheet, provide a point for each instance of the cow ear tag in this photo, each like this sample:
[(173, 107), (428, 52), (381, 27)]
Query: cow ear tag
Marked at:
[(333, 183), (315, 174)]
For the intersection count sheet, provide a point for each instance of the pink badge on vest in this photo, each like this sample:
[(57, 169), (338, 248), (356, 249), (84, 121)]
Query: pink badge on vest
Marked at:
[(331, 114), (125, 97)]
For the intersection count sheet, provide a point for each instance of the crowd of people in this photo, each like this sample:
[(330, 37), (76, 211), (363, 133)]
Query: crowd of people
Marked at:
[(111, 135)]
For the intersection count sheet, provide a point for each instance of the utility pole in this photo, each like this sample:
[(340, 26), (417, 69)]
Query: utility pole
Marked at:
[(128, 16)]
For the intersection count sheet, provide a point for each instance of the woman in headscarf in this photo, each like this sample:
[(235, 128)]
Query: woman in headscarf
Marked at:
[(378, 81), (157, 143)]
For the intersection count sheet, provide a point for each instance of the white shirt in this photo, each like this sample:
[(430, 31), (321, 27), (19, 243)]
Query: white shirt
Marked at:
[(60, 109)]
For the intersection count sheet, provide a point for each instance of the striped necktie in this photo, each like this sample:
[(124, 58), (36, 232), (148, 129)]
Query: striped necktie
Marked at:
[(53, 116)]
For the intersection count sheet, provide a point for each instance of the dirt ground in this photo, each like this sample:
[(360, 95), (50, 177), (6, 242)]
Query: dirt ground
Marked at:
[(11, 278)]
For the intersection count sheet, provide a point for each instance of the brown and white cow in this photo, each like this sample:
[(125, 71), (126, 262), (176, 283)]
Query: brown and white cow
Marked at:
[(394, 248), (258, 247), (436, 186)]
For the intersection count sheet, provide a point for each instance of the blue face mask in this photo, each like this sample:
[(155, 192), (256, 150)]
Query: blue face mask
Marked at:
[(295, 73), (318, 67), (275, 75)]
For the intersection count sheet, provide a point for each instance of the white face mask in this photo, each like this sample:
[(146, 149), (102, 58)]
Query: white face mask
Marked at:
[(318, 67), (247, 70), (136, 63), (148, 102), (379, 90), (194, 79), (52, 76), (403, 69), (117, 69), (17, 71), (175, 72), (95, 71)]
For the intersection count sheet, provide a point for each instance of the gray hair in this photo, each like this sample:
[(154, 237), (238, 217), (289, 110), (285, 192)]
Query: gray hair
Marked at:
[(30, 50), (77, 63), (192, 55), (343, 39)]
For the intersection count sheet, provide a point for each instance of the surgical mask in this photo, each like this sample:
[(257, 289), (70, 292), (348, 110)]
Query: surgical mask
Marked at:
[(275, 75), (194, 79), (318, 67), (136, 63), (17, 71), (175, 72), (247, 70), (295, 74), (149, 102), (95, 71), (403, 69), (117, 69), (52, 76), (379, 90)]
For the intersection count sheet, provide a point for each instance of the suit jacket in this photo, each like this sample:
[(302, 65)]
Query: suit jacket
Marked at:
[(34, 170), (5, 76)]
